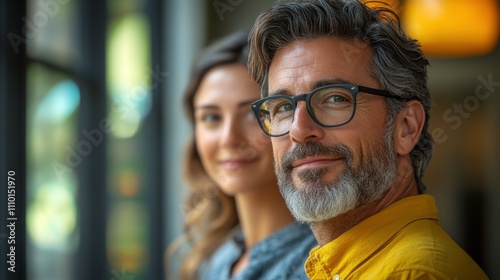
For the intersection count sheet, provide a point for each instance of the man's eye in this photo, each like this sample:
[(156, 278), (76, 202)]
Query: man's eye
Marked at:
[(285, 107), (336, 99)]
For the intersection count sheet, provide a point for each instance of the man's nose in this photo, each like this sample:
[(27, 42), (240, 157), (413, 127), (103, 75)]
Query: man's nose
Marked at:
[(303, 128)]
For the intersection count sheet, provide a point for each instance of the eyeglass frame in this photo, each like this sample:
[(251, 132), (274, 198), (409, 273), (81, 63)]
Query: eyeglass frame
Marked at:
[(353, 89)]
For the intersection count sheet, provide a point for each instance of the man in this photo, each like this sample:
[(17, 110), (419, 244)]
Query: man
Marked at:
[(347, 106)]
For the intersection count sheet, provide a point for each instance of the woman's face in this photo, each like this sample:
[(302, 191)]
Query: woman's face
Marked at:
[(236, 154)]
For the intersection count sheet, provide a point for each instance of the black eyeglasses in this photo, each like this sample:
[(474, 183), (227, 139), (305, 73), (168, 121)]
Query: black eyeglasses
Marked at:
[(329, 106)]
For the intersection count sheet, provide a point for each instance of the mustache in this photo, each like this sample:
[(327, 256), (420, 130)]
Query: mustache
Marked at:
[(315, 149)]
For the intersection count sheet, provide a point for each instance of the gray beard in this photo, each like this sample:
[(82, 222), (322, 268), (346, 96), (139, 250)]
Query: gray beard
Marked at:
[(356, 185)]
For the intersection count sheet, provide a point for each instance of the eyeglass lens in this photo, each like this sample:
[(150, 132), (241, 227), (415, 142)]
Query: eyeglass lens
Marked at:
[(328, 106)]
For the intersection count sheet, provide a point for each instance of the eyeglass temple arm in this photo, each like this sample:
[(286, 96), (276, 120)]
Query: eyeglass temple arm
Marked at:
[(380, 92)]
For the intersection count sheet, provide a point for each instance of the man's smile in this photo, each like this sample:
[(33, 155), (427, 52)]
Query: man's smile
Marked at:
[(313, 162)]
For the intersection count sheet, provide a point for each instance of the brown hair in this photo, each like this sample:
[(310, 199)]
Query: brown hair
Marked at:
[(398, 62), (209, 213)]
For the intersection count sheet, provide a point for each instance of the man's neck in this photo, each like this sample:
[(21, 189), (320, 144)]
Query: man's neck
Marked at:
[(329, 230)]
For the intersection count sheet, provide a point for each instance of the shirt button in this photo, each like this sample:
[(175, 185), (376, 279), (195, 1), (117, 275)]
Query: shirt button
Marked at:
[(336, 277)]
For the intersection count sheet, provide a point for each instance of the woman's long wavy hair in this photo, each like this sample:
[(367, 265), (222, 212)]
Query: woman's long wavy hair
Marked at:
[(210, 214)]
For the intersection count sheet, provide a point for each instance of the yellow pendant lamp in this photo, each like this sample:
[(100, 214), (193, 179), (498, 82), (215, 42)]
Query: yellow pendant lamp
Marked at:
[(452, 28)]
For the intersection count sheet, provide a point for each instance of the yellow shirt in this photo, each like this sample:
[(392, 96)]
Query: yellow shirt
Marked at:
[(403, 241)]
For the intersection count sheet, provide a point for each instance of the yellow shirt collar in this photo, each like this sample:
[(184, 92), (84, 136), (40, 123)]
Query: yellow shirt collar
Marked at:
[(369, 235)]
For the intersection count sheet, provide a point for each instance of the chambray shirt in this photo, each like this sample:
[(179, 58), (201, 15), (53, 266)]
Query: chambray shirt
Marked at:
[(280, 256)]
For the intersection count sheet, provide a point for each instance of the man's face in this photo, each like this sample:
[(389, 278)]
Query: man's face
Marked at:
[(324, 172)]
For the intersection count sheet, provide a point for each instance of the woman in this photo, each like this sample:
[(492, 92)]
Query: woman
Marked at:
[(237, 225)]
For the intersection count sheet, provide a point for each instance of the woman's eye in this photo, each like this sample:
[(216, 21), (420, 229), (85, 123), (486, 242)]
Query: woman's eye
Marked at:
[(210, 118), (250, 116)]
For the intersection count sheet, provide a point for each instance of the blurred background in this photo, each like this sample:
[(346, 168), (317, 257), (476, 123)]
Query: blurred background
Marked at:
[(92, 124)]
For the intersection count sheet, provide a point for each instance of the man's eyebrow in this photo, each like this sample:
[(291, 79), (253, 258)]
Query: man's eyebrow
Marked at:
[(280, 92), (326, 82), (316, 85)]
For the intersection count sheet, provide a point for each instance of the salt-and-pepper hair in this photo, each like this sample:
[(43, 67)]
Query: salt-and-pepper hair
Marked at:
[(398, 62)]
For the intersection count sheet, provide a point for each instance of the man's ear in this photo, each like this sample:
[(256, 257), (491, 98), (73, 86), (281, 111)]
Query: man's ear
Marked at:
[(408, 127)]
